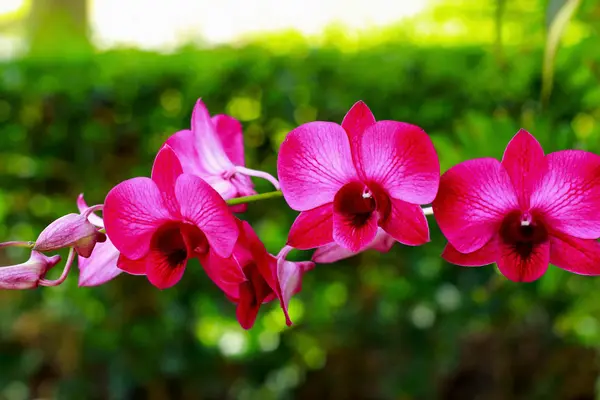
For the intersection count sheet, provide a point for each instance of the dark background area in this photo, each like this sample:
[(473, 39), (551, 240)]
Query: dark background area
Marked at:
[(402, 325)]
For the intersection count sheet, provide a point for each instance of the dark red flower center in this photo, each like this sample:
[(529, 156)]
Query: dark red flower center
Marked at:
[(253, 292), (179, 241), (357, 202), (258, 286), (523, 230)]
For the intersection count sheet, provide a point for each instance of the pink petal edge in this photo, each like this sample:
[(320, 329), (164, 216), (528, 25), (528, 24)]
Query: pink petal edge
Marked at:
[(526, 165), (133, 210), (312, 228), (473, 198), (203, 206), (401, 158), (100, 267), (569, 194), (314, 162)]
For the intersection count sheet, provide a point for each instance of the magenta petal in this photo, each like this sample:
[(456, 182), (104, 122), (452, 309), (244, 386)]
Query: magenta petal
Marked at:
[(207, 142), (355, 122), (265, 262), (358, 118), (401, 158), (314, 162), (569, 194), (93, 218), (133, 210), (100, 267), (383, 242), (182, 144), (523, 269), (312, 228), (488, 254), (203, 206), (201, 162), (580, 256), (525, 163), (406, 223), (289, 276), (165, 171), (253, 292), (226, 273), (248, 306), (161, 272), (352, 235), (229, 131), (132, 267), (333, 252), (472, 200)]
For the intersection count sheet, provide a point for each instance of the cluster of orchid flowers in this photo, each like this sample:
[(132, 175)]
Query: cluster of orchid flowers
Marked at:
[(359, 185)]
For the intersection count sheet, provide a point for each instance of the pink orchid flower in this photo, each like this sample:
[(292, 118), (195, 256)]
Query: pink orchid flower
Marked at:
[(214, 150), (101, 266), (29, 274), (158, 224), (252, 276), (350, 180), (523, 213)]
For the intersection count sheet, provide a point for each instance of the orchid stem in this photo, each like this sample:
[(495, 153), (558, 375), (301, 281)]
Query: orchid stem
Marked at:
[(253, 198), (17, 244), (65, 273), (277, 193)]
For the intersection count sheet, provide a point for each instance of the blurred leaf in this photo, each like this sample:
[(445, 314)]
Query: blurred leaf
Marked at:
[(558, 15)]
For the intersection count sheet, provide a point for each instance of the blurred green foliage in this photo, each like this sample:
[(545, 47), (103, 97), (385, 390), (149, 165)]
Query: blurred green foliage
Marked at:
[(401, 325)]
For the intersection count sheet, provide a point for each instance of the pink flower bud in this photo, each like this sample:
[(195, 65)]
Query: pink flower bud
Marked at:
[(71, 230), (28, 274)]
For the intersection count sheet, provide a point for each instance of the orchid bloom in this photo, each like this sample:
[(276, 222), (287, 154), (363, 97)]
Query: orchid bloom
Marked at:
[(214, 150), (101, 266), (71, 230), (159, 223), (348, 181), (523, 213), (29, 274), (251, 276)]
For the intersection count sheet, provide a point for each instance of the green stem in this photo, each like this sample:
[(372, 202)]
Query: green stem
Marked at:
[(17, 244), (253, 198)]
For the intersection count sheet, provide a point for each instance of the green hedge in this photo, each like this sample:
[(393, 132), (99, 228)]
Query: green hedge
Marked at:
[(401, 325)]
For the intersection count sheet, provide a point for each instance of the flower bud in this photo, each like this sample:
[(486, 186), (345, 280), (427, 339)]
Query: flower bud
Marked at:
[(28, 274), (71, 230)]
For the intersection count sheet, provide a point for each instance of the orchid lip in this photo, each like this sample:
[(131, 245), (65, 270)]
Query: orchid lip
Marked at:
[(359, 201), (178, 242), (523, 231)]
